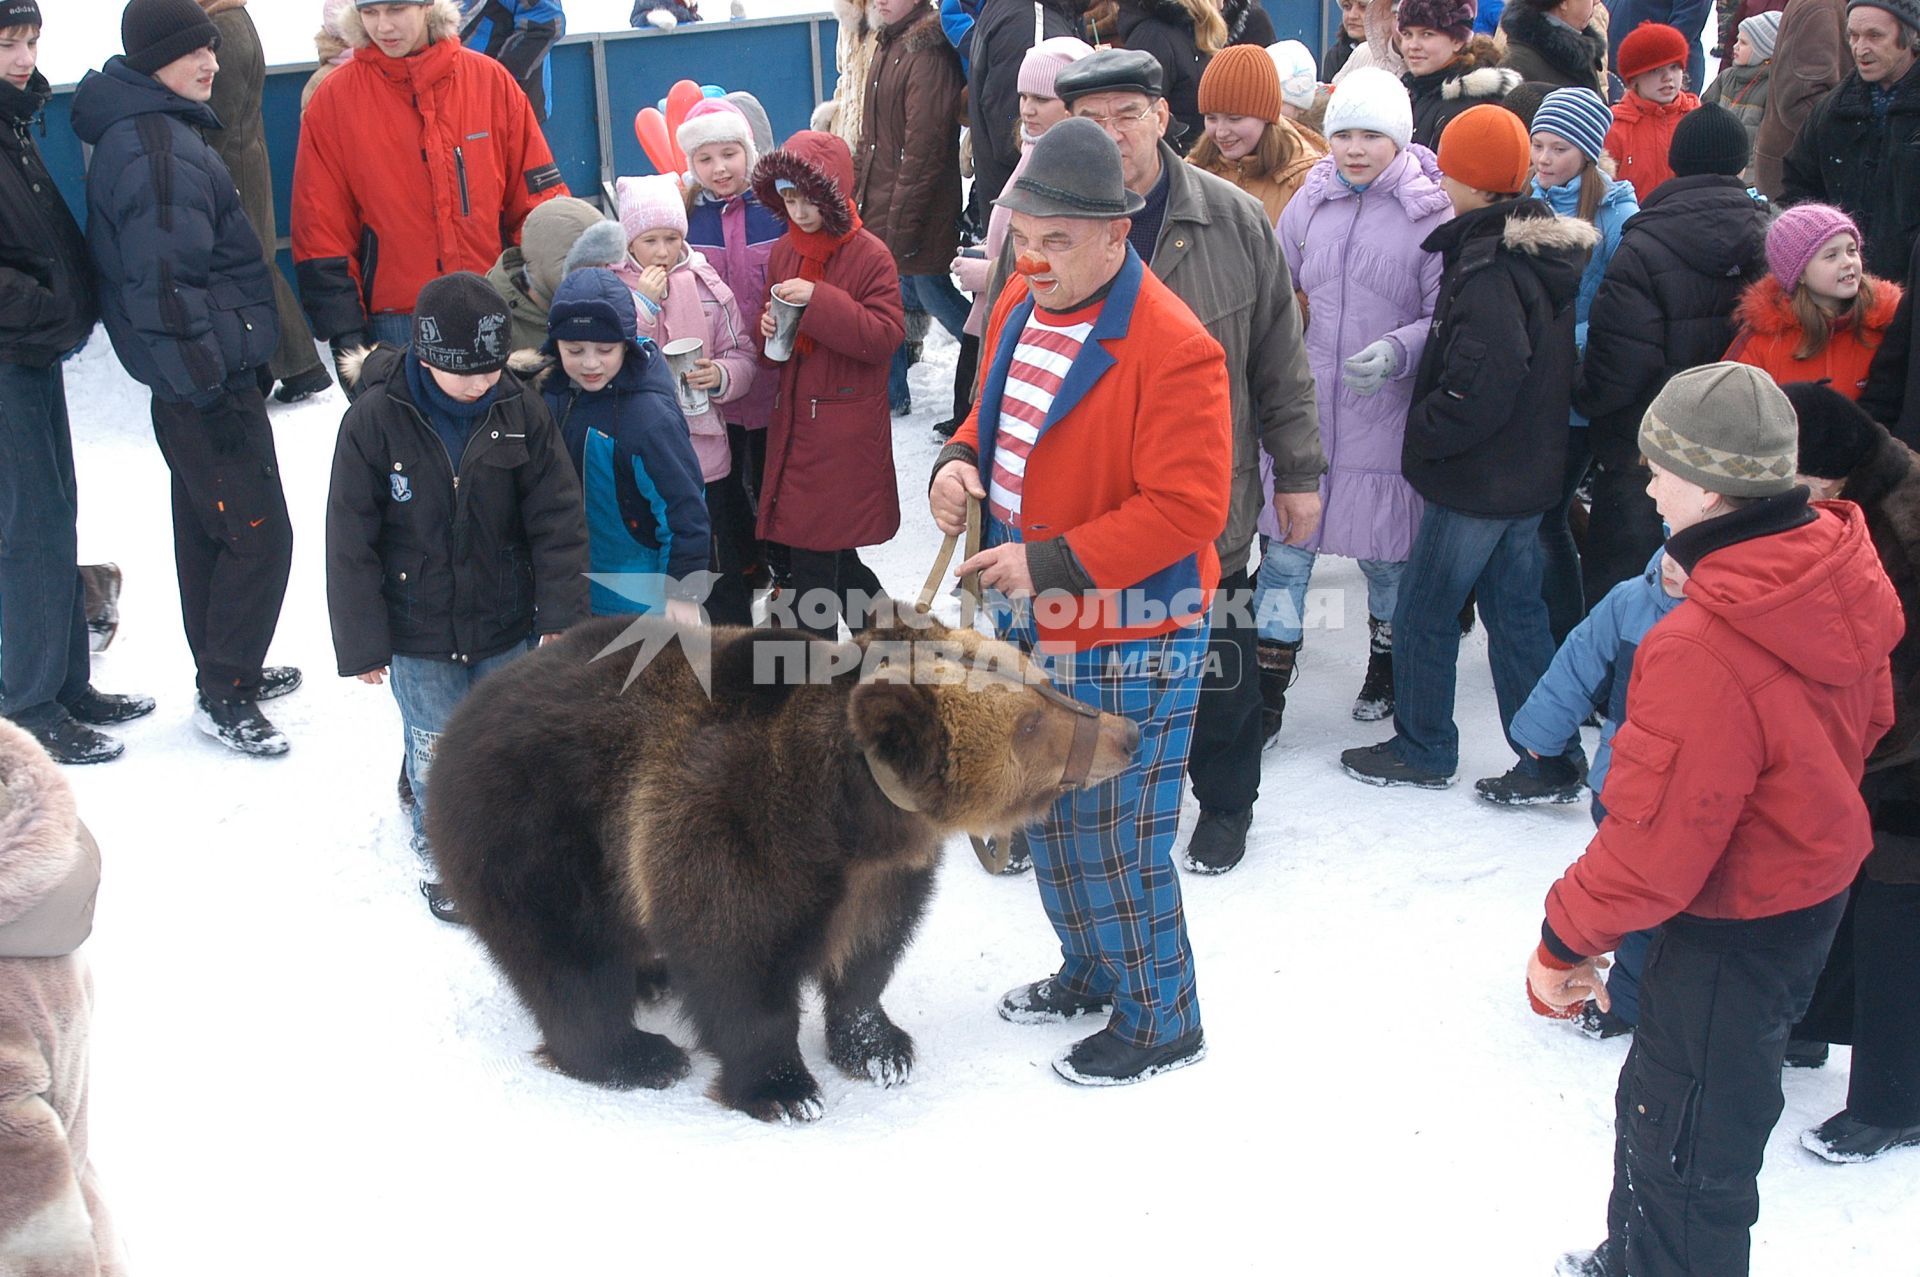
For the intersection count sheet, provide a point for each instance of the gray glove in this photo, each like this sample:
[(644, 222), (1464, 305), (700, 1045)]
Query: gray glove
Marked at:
[(1369, 370)]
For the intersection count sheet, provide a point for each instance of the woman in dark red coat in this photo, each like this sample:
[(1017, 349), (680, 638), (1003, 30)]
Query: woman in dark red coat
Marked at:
[(830, 485)]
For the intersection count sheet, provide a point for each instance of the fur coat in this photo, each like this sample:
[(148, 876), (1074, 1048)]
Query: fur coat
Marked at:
[(53, 1222)]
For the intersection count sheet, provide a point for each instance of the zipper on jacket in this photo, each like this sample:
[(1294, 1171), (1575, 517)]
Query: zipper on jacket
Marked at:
[(460, 168)]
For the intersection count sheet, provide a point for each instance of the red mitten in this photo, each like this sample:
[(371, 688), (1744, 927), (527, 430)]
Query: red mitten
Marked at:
[(1547, 959)]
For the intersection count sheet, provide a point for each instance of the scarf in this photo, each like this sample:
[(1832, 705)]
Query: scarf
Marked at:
[(816, 249)]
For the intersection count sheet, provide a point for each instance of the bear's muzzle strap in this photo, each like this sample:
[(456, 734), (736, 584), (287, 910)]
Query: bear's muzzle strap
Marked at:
[(1086, 736)]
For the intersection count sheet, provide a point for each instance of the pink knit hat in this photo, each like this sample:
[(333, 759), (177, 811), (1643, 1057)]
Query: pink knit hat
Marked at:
[(1048, 59), (650, 204), (715, 120), (1798, 233)]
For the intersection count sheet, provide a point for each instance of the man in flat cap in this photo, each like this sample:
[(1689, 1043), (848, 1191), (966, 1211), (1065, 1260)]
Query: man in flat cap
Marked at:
[(1211, 243), (1101, 449)]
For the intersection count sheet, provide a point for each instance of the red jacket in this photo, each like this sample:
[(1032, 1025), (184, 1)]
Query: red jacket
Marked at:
[(1134, 468), (1641, 133), (830, 483), (409, 168), (1769, 335), (1735, 785)]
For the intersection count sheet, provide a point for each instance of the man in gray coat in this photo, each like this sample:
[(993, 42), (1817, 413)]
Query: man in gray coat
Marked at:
[(1212, 245)]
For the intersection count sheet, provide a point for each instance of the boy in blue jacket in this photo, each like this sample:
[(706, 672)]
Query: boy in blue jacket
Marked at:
[(1591, 671), (622, 425)]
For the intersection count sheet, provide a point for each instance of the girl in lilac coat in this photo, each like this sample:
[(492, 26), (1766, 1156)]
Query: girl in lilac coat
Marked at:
[(1352, 242)]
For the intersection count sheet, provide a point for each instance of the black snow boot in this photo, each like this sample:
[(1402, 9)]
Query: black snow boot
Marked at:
[(1105, 1060), (1548, 780), (1375, 701), (1600, 1025), (1277, 672), (441, 905), (102, 709), (277, 680), (1805, 1055), (304, 386), (101, 585), (1219, 840), (240, 726), (1379, 765), (1047, 1002), (1845, 1138), (69, 741), (1604, 1260)]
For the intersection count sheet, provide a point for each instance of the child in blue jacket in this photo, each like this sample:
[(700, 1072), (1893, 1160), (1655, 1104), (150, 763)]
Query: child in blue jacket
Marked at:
[(1591, 671), (613, 399)]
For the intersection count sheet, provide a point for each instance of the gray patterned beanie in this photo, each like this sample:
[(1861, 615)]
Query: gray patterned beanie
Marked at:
[(1726, 427)]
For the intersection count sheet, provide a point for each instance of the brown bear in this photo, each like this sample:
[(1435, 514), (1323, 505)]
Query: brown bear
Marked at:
[(608, 842)]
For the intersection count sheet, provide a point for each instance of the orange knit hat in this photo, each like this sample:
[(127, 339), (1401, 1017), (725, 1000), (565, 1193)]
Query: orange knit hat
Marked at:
[(1241, 80), (1486, 147)]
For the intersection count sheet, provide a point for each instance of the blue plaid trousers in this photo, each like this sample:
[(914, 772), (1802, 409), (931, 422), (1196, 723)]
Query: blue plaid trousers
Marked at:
[(1103, 857)]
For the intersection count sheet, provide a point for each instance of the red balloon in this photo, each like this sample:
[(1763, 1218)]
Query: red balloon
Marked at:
[(681, 99), (651, 128)]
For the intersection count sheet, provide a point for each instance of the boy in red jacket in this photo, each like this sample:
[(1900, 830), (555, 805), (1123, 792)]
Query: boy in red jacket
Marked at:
[(1734, 819), (1653, 62)]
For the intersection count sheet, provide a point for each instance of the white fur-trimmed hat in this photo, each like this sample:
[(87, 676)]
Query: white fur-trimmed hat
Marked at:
[(715, 120), (1374, 101), (1298, 75)]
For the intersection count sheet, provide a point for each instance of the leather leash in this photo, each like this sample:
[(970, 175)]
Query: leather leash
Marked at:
[(969, 584)]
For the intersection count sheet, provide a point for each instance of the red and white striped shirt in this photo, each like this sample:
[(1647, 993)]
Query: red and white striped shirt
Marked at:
[(1047, 348)]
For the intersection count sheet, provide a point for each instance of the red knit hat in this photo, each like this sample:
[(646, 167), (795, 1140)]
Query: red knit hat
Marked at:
[(1241, 80), (1486, 147), (1650, 46)]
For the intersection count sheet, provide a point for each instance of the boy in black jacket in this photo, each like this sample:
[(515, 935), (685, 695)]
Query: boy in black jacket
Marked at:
[(1485, 446), (46, 311), (455, 532), (1665, 304)]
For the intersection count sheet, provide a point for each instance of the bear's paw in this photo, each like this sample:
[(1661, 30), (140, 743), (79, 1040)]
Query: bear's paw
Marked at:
[(866, 1044), (636, 1061), (787, 1094)]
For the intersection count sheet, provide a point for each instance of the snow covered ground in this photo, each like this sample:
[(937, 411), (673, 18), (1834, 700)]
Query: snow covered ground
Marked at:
[(298, 1071)]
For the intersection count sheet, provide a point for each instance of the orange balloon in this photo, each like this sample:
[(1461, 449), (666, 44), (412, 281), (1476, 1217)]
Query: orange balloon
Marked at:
[(681, 99), (651, 128)]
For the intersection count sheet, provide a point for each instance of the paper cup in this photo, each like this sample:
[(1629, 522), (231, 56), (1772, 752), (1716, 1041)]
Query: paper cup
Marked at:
[(786, 327), (681, 357)]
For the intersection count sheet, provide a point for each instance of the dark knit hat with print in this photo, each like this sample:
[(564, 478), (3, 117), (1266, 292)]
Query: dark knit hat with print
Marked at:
[(1836, 434), (156, 32), (460, 325), (19, 13), (1455, 17), (1709, 139)]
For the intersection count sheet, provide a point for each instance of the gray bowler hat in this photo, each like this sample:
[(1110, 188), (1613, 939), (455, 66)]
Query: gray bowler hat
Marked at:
[(1111, 71), (1072, 171)]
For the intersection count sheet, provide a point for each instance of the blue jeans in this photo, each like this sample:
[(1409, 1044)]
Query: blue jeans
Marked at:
[(43, 624), (428, 690), (393, 329), (1288, 568), (936, 295), (1454, 554)]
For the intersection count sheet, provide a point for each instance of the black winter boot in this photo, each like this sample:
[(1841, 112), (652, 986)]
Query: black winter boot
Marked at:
[(1845, 1138), (240, 726), (1277, 672), (1375, 701), (1219, 841), (277, 680), (69, 741), (1105, 1060), (101, 709), (1604, 1260), (1046, 1002)]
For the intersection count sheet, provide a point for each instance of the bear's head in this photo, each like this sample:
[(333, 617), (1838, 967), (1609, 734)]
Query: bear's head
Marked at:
[(970, 733)]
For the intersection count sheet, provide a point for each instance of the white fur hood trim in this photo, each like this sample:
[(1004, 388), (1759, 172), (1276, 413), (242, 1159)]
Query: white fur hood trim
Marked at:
[(1541, 235)]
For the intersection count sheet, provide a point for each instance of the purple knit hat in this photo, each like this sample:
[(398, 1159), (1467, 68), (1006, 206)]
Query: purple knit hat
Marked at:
[(1455, 17), (1798, 233)]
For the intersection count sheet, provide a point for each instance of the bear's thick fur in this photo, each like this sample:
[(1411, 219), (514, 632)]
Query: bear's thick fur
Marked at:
[(608, 844)]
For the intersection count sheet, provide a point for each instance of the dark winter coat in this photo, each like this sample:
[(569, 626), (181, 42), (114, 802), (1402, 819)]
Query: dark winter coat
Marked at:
[(519, 35), (1476, 76), (1487, 433), (1550, 52), (1886, 487), (242, 145), (830, 482), (183, 281), (1873, 172), (1810, 56), (1666, 302), (418, 565), (907, 165), (409, 168), (1002, 34), (1247, 23), (1734, 792), (1162, 28), (1337, 54), (646, 504), (47, 304), (1892, 393)]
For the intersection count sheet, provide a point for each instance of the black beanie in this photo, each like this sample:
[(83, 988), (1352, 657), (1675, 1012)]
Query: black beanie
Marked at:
[(1709, 139), (460, 325), (1836, 434), (1524, 98), (19, 13), (155, 32)]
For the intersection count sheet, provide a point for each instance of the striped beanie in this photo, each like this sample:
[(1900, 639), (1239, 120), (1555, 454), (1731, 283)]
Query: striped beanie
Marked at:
[(1579, 115), (1762, 30)]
